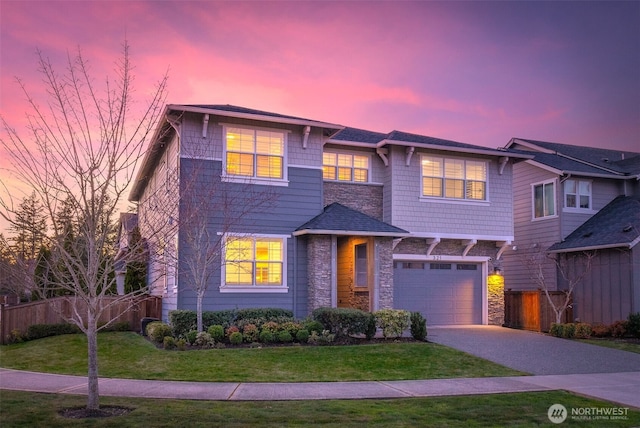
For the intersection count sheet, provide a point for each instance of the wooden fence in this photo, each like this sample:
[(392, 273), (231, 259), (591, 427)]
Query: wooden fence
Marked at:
[(56, 310), (530, 310)]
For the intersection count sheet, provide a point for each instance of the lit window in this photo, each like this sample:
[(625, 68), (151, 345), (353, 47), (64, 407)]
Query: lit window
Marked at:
[(577, 194), (454, 178), (544, 197), (254, 153), (254, 262), (345, 167)]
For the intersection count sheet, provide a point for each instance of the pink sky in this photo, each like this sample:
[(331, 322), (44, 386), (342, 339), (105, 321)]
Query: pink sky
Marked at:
[(475, 72)]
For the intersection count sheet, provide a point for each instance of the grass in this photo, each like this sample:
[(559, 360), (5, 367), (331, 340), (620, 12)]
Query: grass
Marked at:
[(24, 409), (128, 355), (623, 345)]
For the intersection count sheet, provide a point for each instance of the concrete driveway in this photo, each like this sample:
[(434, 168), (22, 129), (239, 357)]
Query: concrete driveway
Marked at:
[(534, 353)]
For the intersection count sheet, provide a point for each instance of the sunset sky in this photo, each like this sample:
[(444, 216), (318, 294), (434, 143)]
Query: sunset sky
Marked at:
[(475, 72)]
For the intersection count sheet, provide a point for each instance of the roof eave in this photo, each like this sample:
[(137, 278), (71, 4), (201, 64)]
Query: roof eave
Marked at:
[(349, 232), (470, 150), (253, 116), (594, 247)]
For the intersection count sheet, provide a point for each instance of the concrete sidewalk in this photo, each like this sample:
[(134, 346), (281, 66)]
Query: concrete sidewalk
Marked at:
[(620, 388)]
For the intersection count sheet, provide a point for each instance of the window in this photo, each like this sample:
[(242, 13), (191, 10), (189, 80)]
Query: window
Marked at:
[(254, 153), (544, 197), (454, 178), (466, 266), (361, 265), (345, 167), (577, 194), (440, 266), (254, 262)]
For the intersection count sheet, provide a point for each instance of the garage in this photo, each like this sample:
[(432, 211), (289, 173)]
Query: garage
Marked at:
[(446, 293)]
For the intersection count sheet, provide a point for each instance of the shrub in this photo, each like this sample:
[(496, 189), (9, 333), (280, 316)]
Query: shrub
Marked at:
[(235, 338), (250, 333), (601, 330), (619, 329), (216, 332), (568, 330), (392, 321), (169, 342), (181, 344), (184, 321), (231, 330), (204, 339), (313, 325), (582, 330), (291, 326), (323, 338), (191, 336), (268, 314), (157, 331), (371, 328), (556, 329), (285, 337), (343, 321), (38, 331), (633, 324), (418, 326), (271, 326), (16, 336), (266, 337), (302, 336)]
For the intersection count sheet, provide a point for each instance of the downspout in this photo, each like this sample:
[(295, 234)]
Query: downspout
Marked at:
[(305, 136)]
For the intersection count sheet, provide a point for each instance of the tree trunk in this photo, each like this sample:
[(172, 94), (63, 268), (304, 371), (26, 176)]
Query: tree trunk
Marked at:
[(199, 311), (93, 397)]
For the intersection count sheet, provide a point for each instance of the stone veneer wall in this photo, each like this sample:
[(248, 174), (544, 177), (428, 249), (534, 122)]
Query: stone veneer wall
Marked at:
[(319, 271), (384, 248), (366, 198)]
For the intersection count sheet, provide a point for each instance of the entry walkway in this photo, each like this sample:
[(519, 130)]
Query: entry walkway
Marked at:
[(620, 388)]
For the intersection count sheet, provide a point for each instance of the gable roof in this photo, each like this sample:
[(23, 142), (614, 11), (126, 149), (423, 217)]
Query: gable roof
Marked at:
[(362, 137), (615, 225), (336, 219), (588, 161)]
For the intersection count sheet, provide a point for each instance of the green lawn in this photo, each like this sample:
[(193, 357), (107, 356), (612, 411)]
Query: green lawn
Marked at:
[(23, 409), (615, 344), (127, 355)]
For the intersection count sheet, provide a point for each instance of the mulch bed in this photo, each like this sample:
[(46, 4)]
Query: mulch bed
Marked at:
[(102, 412)]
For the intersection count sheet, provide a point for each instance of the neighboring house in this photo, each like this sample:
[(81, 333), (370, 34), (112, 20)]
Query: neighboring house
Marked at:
[(354, 218), (128, 222), (570, 200)]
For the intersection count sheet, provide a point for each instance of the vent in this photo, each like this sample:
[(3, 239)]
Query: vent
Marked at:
[(587, 235), (627, 228)]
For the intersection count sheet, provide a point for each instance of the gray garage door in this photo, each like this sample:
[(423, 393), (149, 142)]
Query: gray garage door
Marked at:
[(445, 293)]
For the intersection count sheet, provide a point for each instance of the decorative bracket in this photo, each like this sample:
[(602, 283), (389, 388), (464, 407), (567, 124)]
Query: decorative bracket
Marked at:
[(432, 242), (205, 124), (470, 244), (409, 153), (383, 155), (503, 246), (305, 136), (503, 161)]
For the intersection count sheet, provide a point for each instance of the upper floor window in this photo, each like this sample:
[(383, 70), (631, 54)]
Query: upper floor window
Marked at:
[(254, 153), (577, 194), (544, 199), (253, 263), (454, 178), (345, 167)]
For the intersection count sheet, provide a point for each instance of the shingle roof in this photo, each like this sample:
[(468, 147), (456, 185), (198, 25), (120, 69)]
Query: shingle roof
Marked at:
[(340, 220), (238, 109), (359, 135), (615, 225), (585, 159)]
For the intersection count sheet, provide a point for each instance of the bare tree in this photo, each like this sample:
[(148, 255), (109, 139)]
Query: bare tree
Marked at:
[(541, 265), (82, 151)]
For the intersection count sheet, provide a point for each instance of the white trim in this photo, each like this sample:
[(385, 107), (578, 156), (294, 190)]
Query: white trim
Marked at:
[(254, 289), (441, 258), (224, 288), (577, 208), (351, 153), (439, 200), (438, 235), (291, 165), (553, 181), (348, 232), (254, 179), (183, 156), (444, 178)]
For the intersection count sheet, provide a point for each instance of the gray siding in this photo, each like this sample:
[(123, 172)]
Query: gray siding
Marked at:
[(542, 233), (288, 208), (410, 212)]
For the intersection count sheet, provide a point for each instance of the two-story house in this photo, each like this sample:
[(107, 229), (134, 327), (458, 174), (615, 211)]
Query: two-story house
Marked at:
[(312, 214), (572, 201)]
